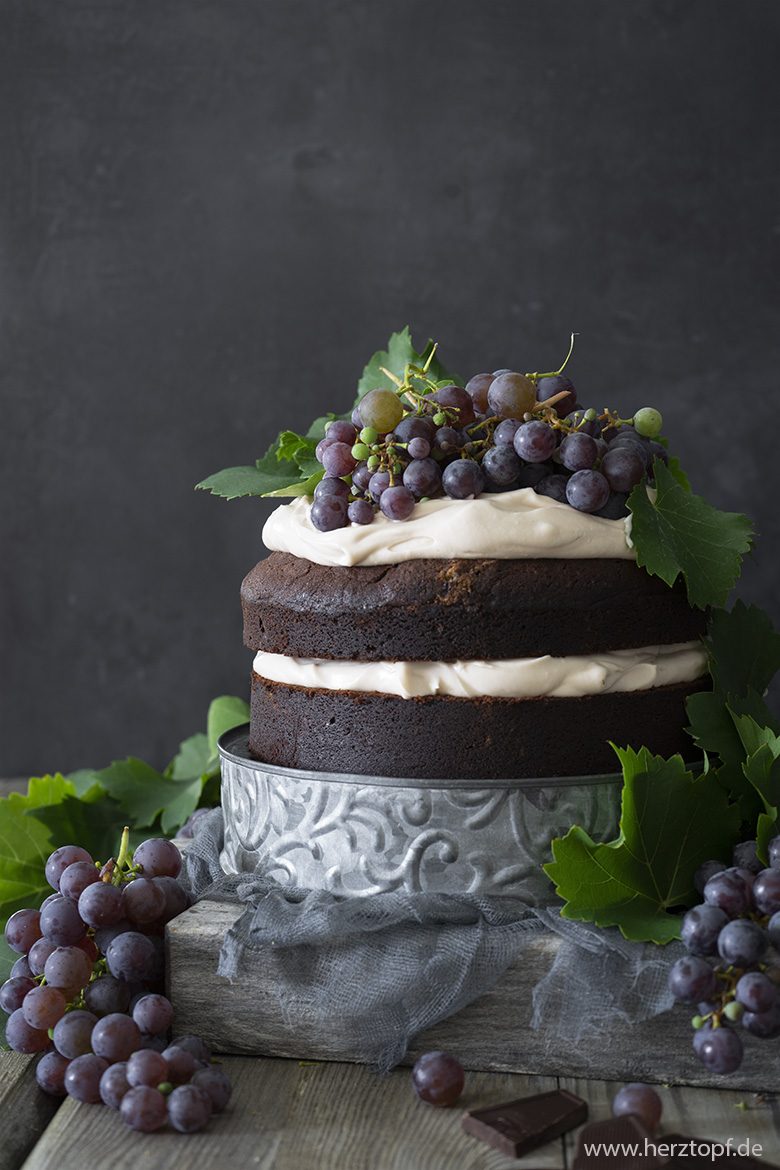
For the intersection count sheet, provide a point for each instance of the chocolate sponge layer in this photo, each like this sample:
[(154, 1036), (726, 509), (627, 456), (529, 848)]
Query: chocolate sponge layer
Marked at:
[(445, 738), (447, 609)]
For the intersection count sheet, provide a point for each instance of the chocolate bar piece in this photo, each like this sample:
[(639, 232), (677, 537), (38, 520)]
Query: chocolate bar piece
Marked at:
[(517, 1127), (618, 1143), (695, 1153)]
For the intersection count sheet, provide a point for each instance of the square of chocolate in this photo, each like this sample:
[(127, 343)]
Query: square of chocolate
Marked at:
[(517, 1127)]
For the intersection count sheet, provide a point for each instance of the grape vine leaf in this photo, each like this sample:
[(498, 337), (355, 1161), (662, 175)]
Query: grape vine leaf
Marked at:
[(224, 714), (143, 793), (25, 843), (677, 532), (399, 353), (671, 821)]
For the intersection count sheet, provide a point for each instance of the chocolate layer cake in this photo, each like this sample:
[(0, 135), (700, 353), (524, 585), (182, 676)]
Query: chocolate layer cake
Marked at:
[(410, 669)]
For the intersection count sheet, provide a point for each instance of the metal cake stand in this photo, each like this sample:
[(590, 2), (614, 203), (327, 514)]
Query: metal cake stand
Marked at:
[(360, 835)]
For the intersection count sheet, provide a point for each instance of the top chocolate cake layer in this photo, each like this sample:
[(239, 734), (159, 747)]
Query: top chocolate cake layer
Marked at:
[(427, 610)]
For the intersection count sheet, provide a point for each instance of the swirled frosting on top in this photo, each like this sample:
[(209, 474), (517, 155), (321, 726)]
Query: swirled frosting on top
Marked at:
[(513, 525)]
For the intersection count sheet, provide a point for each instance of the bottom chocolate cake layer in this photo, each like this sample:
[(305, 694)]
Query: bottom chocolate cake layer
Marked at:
[(440, 737)]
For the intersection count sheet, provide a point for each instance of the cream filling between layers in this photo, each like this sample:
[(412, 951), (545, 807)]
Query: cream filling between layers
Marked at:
[(512, 678), (508, 526)]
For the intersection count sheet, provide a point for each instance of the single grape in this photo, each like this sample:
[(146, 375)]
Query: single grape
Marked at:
[(692, 979), (329, 485), (756, 992), (60, 859), (115, 1037), (377, 484), (39, 954), (360, 512), (438, 1078), (766, 891), (14, 990), (648, 421), (153, 1014), (62, 923), (22, 1037), (67, 967), (21, 969), (195, 1045), (720, 1050), (422, 477), (447, 439), (22, 930), (764, 1025), (146, 1067), (554, 487), (457, 401), (622, 467), (82, 1077), (587, 491), (773, 852), (76, 877), (189, 1108), (73, 1033), (557, 384), (745, 856), (578, 451), (176, 898), (728, 891), (640, 1099), (380, 409), (328, 513), (535, 441), (700, 929), (342, 431), (419, 448), (742, 942), (338, 459), (510, 395), (360, 477), (773, 930), (411, 427), (101, 904), (181, 1063), (43, 1006), (397, 502), (462, 479), (477, 389), (143, 1109), (50, 1073), (114, 1084), (106, 995), (144, 901), (217, 1084), (501, 465)]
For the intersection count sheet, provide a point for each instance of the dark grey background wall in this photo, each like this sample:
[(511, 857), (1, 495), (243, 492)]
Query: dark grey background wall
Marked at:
[(214, 211)]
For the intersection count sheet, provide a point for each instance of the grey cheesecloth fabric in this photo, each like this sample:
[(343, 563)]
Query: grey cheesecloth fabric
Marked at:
[(385, 967)]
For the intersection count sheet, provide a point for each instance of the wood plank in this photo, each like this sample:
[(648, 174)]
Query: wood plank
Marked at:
[(285, 1115), (711, 1115), (493, 1033), (24, 1108)]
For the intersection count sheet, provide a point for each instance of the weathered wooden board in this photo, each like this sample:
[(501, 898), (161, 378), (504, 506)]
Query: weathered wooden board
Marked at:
[(492, 1033), (24, 1108)]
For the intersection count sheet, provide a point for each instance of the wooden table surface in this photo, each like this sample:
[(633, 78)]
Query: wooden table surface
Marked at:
[(289, 1115)]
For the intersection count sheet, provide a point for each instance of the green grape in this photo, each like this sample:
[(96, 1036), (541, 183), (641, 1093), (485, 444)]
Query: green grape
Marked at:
[(381, 410), (368, 435), (648, 422), (360, 451)]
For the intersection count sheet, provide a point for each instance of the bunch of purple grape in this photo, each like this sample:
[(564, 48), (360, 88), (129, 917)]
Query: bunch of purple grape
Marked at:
[(501, 432), (87, 991), (738, 923)]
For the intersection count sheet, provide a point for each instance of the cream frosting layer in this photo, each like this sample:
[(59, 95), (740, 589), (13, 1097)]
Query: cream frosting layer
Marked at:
[(509, 526), (514, 678)]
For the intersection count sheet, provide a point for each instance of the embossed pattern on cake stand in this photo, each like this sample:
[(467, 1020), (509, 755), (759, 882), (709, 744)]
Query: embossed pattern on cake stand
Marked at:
[(361, 835)]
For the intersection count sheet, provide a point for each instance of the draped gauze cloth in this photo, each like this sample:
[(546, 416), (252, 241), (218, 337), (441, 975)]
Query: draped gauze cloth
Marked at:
[(382, 968)]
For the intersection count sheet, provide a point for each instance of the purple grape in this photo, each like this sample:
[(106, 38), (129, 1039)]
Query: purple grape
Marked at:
[(742, 942), (728, 891), (773, 930), (756, 992), (330, 485), (76, 877), (181, 1063), (764, 1025), (144, 901), (422, 477), (22, 930), (504, 434), (322, 447), (189, 1108), (447, 439), (587, 491), (414, 427), (131, 956), (773, 852), (419, 448), (115, 1037), (82, 1077), (341, 431), (720, 1050), (153, 1014), (578, 451), (501, 465), (456, 399), (60, 859), (328, 513), (338, 459), (745, 856), (692, 979), (176, 898), (22, 1037), (13, 991), (557, 384), (43, 1006), (622, 467), (700, 929), (106, 934), (535, 441), (615, 508), (377, 484), (21, 969), (462, 479), (477, 389), (101, 904), (114, 1084), (554, 487), (510, 395), (360, 512), (72, 1034), (640, 1099), (146, 1067), (61, 922), (39, 954), (50, 1073), (438, 1078), (67, 967), (585, 426), (217, 1084), (106, 995), (766, 891), (397, 502), (195, 1045), (361, 477), (143, 1109)]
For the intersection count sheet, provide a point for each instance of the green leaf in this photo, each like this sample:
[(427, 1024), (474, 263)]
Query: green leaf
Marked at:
[(670, 823), (95, 825), (680, 533), (268, 475), (25, 843), (744, 649), (194, 758), (225, 713), (143, 793), (395, 358)]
